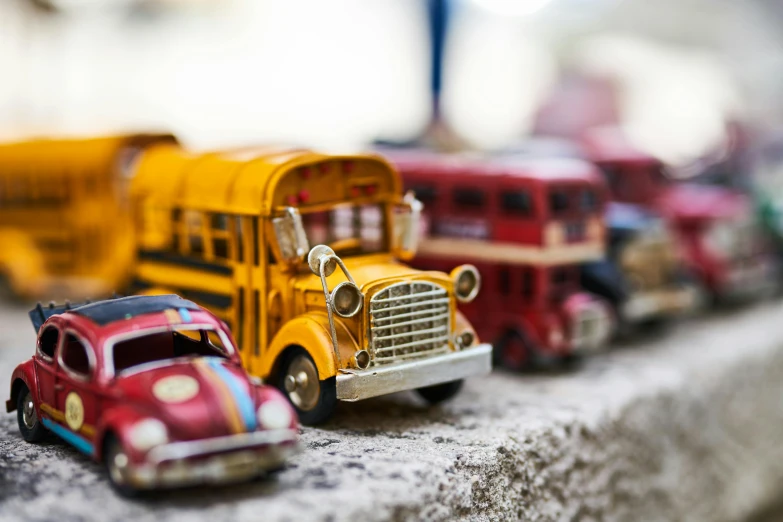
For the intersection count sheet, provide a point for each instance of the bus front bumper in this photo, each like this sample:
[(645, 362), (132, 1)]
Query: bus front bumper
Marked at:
[(355, 385)]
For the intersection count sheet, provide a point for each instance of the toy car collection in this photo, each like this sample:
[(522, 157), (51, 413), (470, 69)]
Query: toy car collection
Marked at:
[(340, 320), (156, 387), (153, 387), (527, 225)]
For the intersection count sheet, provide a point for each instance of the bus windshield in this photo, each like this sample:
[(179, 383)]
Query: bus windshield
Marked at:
[(349, 229)]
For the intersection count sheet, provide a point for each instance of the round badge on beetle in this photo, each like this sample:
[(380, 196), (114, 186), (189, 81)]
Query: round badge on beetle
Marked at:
[(175, 388)]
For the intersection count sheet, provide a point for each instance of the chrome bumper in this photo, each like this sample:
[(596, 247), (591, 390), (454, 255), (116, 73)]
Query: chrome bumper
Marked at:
[(219, 460), (355, 385), (751, 280), (654, 303)]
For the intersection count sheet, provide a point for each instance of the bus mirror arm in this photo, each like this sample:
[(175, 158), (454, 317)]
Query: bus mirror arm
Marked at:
[(323, 262)]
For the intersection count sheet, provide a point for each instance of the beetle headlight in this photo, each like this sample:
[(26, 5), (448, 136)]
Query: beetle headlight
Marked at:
[(347, 299), (467, 282), (275, 415), (148, 433)]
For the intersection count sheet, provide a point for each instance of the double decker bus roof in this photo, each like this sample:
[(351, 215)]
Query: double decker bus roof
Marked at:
[(245, 181)]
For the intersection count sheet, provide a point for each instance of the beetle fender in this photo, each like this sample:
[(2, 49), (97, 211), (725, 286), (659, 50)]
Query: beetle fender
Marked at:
[(24, 374), (118, 421), (311, 332)]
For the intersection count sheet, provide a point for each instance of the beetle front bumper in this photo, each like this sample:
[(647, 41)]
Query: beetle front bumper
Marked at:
[(355, 385), (218, 460)]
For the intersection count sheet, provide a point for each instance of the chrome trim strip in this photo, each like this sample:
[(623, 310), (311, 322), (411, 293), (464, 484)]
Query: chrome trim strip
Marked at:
[(354, 385), (196, 448)]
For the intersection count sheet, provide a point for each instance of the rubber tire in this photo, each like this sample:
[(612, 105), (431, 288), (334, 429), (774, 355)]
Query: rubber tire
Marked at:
[(326, 402), (530, 362), (38, 431), (124, 490), (440, 392)]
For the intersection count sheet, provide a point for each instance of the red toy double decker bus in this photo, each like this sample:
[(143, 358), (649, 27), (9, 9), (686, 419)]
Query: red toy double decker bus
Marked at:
[(527, 226)]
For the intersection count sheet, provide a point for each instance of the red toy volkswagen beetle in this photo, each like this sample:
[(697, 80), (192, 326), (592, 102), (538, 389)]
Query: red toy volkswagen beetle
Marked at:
[(153, 387)]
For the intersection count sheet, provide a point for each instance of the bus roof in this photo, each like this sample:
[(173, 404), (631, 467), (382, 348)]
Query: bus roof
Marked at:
[(69, 156), (256, 180)]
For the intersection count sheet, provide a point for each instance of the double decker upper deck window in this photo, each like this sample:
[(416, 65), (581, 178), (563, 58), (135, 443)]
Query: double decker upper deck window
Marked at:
[(589, 200), (517, 203), (558, 201), (465, 197)]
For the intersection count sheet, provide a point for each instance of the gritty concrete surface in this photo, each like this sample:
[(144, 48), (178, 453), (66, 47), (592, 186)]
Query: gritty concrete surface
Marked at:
[(685, 425)]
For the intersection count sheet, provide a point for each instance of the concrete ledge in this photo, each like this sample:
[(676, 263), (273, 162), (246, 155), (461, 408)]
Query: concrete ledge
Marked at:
[(685, 425)]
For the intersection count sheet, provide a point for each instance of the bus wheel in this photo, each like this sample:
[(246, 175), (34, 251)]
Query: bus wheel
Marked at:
[(440, 392), (313, 400), (513, 352)]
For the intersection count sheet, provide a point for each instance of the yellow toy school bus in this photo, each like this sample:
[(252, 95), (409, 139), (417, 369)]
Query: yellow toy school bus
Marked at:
[(65, 226), (340, 320)]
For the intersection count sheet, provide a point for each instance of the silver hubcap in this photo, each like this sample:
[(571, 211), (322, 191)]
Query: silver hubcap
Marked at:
[(29, 416), (118, 465), (301, 383)]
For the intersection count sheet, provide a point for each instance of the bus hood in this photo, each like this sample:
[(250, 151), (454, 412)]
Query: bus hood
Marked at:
[(369, 272)]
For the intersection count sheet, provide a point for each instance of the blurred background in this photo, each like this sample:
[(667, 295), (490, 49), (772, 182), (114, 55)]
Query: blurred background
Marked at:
[(677, 75)]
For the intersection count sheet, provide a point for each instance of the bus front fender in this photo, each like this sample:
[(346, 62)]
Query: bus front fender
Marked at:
[(310, 331)]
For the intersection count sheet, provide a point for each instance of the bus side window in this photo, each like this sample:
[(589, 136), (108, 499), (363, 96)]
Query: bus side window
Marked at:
[(220, 236), (239, 240), (504, 280), (193, 222), (516, 203), (176, 229), (425, 193)]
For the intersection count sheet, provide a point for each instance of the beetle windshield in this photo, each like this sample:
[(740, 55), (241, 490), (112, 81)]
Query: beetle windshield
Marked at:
[(161, 344)]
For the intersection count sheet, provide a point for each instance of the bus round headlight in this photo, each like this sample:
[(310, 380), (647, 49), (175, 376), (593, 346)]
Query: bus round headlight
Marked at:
[(275, 415), (347, 299), (467, 282), (148, 433)]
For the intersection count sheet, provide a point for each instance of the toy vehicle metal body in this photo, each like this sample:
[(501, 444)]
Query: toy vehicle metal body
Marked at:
[(153, 387), (527, 226), (642, 276), (716, 229), (347, 320), (64, 219)]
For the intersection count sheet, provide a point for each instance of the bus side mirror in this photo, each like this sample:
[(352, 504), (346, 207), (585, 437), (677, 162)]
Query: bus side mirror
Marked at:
[(291, 236), (407, 221)]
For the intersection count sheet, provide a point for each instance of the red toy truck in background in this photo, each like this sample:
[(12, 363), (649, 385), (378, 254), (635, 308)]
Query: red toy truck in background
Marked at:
[(527, 227), (722, 242)]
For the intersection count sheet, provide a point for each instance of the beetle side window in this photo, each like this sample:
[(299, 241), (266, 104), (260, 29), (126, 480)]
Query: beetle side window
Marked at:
[(47, 342), (75, 357)]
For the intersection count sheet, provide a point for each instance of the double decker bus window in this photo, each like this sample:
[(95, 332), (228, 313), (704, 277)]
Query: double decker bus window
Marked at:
[(589, 200), (517, 203), (425, 193), (468, 197), (558, 201), (504, 280), (527, 282)]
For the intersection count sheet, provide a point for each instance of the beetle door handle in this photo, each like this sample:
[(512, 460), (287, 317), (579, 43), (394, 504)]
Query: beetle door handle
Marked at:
[(59, 387)]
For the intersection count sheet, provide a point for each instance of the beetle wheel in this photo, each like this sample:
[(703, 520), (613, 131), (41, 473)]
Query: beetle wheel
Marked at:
[(314, 400), (116, 461), (26, 415)]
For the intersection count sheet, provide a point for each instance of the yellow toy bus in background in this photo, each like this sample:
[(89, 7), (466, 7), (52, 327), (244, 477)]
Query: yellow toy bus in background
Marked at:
[(298, 253), (65, 226)]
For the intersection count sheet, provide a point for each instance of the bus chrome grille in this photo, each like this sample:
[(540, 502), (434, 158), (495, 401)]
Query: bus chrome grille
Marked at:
[(409, 320)]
